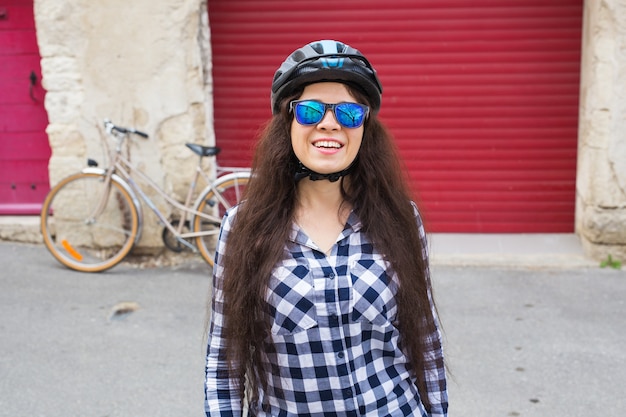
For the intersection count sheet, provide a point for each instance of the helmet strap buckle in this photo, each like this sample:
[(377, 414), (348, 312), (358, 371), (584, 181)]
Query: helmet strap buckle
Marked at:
[(303, 172)]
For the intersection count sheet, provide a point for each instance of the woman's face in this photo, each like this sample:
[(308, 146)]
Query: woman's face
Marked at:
[(326, 147)]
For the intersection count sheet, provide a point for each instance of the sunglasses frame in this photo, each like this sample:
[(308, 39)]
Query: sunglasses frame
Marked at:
[(332, 107)]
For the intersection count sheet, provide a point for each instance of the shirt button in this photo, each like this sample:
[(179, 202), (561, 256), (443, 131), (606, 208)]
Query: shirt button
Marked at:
[(340, 355), (347, 392), (331, 275)]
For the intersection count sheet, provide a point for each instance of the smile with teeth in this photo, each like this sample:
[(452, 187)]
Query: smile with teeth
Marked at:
[(327, 144)]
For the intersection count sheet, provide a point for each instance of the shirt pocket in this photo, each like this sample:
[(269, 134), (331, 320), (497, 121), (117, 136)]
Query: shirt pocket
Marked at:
[(290, 299), (374, 289)]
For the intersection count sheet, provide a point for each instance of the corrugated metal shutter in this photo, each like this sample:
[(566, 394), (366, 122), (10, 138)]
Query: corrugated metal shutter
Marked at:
[(482, 96)]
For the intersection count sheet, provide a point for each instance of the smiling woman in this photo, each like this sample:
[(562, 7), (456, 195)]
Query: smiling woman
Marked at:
[(323, 269)]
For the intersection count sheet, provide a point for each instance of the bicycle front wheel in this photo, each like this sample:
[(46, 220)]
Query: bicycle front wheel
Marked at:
[(225, 193), (87, 225)]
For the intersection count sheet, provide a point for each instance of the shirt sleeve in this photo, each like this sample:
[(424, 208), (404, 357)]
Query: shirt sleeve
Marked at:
[(434, 370), (222, 389)]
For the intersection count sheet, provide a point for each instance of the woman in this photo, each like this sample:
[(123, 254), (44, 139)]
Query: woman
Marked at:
[(322, 301)]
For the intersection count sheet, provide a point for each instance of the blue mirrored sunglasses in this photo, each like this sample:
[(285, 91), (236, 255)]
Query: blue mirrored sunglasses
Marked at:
[(311, 112)]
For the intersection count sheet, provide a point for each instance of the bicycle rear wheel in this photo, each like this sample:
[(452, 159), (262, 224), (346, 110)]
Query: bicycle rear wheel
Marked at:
[(81, 236), (226, 193)]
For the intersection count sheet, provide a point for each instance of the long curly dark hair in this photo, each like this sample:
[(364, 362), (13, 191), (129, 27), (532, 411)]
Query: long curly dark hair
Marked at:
[(379, 193)]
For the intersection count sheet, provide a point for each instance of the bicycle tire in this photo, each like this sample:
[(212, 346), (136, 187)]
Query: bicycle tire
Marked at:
[(89, 245), (231, 187)]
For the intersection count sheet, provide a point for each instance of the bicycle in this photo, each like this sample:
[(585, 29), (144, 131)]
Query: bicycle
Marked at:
[(91, 220)]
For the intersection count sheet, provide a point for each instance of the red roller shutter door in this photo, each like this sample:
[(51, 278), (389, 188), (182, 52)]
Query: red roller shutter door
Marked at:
[(482, 96)]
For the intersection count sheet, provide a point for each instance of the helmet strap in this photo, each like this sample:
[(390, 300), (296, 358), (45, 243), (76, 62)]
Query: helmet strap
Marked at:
[(304, 172)]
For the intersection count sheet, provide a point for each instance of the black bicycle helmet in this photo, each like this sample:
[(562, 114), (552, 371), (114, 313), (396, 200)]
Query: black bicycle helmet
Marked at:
[(325, 60)]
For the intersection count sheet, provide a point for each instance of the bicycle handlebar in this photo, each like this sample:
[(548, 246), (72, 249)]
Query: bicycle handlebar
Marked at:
[(110, 127)]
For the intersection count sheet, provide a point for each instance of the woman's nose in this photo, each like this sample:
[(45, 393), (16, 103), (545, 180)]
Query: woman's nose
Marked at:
[(328, 121)]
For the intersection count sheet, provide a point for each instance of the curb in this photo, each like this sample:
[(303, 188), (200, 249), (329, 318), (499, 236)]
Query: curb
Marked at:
[(499, 260), (23, 229), (539, 251)]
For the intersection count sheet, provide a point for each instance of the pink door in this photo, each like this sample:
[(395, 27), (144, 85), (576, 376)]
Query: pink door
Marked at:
[(24, 148)]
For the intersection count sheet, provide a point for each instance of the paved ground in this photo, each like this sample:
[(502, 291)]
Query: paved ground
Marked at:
[(521, 340)]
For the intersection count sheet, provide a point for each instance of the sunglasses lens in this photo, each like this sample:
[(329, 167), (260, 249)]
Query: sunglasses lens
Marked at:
[(350, 115), (309, 112)]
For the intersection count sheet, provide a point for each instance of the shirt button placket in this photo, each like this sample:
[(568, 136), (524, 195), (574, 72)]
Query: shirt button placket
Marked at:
[(332, 308), (336, 283)]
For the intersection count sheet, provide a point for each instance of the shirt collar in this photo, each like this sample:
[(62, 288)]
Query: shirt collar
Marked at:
[(297, 235)]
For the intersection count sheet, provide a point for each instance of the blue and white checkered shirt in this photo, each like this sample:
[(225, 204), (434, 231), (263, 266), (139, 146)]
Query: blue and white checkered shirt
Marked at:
[(333, 330)]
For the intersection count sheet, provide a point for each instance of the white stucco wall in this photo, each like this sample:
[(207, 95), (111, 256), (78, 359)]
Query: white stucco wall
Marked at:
[(141, 63), (601, 177)]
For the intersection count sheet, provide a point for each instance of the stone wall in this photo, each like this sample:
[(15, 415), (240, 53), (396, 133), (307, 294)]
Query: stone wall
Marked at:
[(140, 63), (601, 177)]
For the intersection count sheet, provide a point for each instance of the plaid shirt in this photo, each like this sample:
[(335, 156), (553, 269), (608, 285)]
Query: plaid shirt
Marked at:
[(335, 343)]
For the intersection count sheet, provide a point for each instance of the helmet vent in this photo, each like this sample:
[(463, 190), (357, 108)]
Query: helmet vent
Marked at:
[(358, 62), (318, 47), (298, 56)]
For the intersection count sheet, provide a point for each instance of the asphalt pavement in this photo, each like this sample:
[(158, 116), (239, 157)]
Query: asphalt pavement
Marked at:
[(519, 340)]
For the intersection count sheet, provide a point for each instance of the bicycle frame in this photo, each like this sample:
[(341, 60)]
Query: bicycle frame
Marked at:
[(122, 170)]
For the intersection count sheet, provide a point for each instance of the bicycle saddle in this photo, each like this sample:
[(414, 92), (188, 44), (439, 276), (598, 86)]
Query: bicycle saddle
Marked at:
[(203, 150)]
